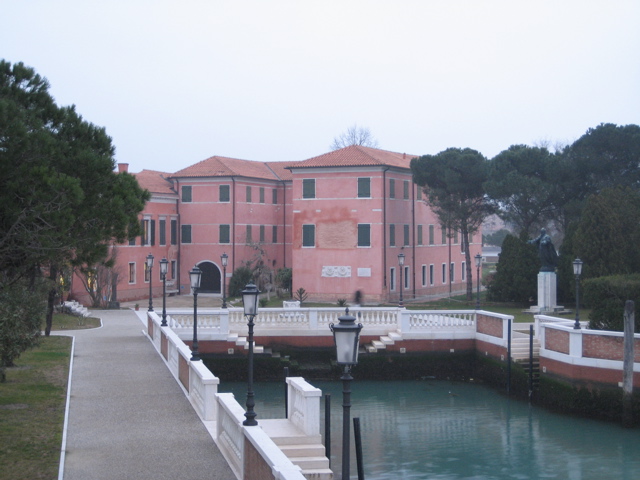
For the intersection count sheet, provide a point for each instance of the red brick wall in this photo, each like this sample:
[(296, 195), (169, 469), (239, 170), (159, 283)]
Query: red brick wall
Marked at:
[(489, 349), (556, 340), (183, 371), (164, 346), (254, 465), (607, 347), (489, 325), (588, 376)]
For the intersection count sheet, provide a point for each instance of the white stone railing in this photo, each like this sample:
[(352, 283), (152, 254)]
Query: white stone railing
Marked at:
[(303, 409), (201, 387), (229, 435), (560, 341), (217, 324)]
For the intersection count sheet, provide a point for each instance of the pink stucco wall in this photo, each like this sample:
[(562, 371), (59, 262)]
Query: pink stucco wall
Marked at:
[(336, 212)]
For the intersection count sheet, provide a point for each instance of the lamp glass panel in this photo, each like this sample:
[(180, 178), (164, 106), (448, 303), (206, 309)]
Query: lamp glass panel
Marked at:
[(194, 276), (345, 345)]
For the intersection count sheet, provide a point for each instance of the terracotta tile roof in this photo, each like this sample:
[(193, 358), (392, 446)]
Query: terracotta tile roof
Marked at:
[(226, 167), (356, 156), (280, 169), (155, 182)]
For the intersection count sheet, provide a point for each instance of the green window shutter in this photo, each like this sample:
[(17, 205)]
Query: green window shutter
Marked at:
[(364, 187), (186, 233), (163, 232), (186, 194), (308, 235), (224, 193), (224, 233), (174, 232), (364, 235), (309, 188)]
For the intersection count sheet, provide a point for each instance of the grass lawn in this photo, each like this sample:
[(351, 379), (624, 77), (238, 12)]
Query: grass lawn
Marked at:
[(62, 321), (32, 403)]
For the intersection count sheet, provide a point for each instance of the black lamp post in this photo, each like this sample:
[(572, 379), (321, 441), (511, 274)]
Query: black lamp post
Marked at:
[(164, 268), (346, 336), (401, 277), (194, 276), (478, 258), (224, 259), (250, 303), (150, 268), (577, 271)]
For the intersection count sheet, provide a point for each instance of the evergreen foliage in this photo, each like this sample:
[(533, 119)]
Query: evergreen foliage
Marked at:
[(607, 296), (240, 278), (22, 309), (60, 200), (453, 181), (515, 279), (608, 233)]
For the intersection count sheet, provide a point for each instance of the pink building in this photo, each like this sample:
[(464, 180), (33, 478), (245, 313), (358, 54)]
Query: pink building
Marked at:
[(339, 220)]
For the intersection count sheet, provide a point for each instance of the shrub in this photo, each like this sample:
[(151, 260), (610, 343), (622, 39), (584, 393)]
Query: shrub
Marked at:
[(516, 274), (300, 295), (240, 278), (606, 296)]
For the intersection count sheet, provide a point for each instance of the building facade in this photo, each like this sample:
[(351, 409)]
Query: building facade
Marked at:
[(339, 221)]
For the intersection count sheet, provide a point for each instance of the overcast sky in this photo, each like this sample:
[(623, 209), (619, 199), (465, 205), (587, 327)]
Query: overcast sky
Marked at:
[(175, 82)]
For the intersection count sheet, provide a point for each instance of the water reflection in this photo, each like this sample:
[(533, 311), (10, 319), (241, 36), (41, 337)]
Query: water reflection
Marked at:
[(444, 430)]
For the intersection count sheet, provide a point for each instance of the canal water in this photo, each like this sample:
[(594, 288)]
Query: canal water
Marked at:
[(448, 431)]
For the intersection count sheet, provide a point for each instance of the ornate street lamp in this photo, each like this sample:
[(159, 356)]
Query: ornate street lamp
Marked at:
[(224, 259), (401, 277), (577, 271), (250, 303), (478, 258), (346, 336), (164, 268), (194, 276), (150, 268)]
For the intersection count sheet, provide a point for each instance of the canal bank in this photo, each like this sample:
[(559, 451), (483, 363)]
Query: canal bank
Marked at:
[(427, 429), (318, 365)]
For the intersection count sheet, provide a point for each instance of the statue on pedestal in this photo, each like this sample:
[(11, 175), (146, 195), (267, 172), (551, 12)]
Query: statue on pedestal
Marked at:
[(546, 252)]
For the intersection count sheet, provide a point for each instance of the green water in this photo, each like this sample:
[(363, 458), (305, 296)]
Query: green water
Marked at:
[(445, 431)]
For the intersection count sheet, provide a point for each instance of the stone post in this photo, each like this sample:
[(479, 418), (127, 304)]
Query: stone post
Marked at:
[(627, 365)]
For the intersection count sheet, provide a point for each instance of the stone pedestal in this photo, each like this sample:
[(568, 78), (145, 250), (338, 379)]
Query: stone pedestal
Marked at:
[(547, 294)]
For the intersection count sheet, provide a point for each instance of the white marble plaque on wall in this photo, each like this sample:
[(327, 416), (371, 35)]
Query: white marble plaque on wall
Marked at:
[(336, 271), (364, 272)]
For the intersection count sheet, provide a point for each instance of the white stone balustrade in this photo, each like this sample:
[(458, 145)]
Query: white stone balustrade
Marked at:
[(218, 324), (229, 435), (304, 405), (203, 387)]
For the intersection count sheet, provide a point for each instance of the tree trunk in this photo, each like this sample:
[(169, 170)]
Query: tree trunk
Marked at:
[(51, 298), (467, 259)]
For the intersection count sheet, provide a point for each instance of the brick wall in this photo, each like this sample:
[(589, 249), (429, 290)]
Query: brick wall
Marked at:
[(607, 347), (556, 340), (489, 326)]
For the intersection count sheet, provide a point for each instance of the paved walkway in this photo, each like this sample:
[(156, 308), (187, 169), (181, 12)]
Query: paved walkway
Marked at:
[(128, 418)]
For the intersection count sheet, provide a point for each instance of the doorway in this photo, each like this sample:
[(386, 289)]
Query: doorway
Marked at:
[(210, 280)]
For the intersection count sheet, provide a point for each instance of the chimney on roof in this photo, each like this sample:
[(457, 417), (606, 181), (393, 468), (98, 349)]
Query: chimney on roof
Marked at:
[(404, 155), (123, 167)]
